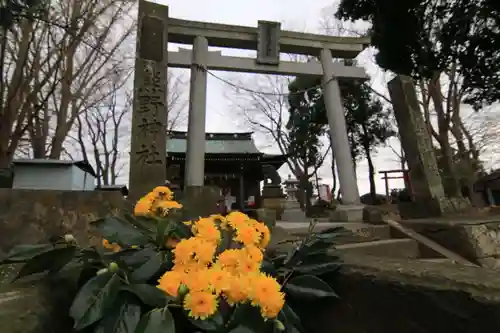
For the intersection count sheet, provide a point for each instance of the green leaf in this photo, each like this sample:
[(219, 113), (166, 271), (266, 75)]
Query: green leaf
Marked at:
[(118, 231), (148, 294), (310, 287), (241, 329), (163, 227), (133, 258), (317, 269), (292, 320), (156, 321), (22, 253), (181, 230), (268, 267), (144, 223), (123, 317), (94, 299), (53, 261), (248, 316), (213, 323), (149, 269)]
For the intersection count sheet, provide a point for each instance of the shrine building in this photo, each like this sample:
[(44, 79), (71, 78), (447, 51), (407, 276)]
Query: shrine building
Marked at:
[(232, 162)]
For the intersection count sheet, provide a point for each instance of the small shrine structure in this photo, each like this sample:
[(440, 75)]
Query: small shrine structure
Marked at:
[(232, 162)]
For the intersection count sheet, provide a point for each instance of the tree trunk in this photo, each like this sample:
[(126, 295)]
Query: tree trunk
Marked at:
[(371, 175), (371, 167), (334, 178), (450, 178)]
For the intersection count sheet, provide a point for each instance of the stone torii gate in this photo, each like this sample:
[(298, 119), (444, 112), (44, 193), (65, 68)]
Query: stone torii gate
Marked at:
[(156, 30)]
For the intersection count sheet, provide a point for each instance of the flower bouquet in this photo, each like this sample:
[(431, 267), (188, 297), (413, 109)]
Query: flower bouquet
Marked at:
[(156, 273)]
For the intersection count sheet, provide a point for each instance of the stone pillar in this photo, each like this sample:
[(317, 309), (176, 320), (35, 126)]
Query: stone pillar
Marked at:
[(195, 155), (149, 119), (351, 208), (338, 132), (427, 189)]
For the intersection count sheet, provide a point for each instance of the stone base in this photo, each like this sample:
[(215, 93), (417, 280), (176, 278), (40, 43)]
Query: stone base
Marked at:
[(476, 240), (293, 213), (272, 191), (432, 207), (347, 213), (267, 216), (200, 201), (417, 297), (277, 204)]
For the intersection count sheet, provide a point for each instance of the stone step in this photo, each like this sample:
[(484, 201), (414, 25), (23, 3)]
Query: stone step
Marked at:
[(392, 248), (357, 232)]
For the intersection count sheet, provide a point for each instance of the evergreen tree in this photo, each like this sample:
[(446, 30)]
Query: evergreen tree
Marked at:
[(304, 135), (452, 49), (368, 124)]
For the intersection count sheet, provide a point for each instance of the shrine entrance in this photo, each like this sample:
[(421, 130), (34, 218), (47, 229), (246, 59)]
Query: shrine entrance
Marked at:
[(156, 30)]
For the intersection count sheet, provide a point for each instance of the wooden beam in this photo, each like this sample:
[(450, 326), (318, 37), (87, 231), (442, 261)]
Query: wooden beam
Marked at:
[(241, 37), (216, 61)]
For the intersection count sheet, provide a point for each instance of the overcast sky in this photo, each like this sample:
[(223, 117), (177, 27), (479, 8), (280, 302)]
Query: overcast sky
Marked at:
[(296, 15)]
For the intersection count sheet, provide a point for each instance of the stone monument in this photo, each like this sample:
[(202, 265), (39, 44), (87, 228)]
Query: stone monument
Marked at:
[(149, 118), (292, 211), (429, 198)]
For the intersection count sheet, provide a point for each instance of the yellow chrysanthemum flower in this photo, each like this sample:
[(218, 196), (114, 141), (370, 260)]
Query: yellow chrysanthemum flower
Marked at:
[(200, 280), (266, 293), (189, 268), (220, 220), (200, 304), (237, 219), (205, 252), (163, 192), (170, 282), (194, 249), (265, 234), (111, 246), (143, 206), (254, 253), (247, 266), (220, 279), (206, 229), (167, 205), (239, 290), (229, 260), (247, 235)]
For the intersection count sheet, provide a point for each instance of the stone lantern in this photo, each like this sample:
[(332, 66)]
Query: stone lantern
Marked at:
[(291, 187), (292, 211)]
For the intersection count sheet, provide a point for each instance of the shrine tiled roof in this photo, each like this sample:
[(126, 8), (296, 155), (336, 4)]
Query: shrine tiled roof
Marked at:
[(215, 143)]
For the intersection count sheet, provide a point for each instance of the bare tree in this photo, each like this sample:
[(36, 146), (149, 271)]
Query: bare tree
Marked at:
[(102, 133), (176, 100), (264, 108), (56, 67)]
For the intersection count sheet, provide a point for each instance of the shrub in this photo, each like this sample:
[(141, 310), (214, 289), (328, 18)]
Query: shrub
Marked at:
[(157, 273)]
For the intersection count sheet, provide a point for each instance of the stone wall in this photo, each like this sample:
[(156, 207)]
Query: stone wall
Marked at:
[(379, 295), (476, 240), (30, 216)]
